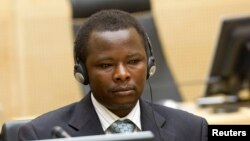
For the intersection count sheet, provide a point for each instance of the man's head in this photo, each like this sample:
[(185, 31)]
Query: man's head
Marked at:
[(112, 49)]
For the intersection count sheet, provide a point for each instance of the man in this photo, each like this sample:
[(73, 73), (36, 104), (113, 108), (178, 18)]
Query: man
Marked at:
[(113, 55)]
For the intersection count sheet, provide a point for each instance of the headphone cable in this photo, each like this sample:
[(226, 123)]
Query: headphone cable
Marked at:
[(151, 99)]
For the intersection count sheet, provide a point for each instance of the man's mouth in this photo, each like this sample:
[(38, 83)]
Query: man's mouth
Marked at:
[(123, 91)]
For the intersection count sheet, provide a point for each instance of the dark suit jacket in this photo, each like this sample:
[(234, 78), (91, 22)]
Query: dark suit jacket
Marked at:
[(80, 119)]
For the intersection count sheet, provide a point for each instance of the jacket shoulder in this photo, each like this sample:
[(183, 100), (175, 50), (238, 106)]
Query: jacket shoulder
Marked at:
[(177, 114), (41, 126)]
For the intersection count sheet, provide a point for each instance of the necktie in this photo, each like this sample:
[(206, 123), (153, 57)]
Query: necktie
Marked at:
[(125, 126)]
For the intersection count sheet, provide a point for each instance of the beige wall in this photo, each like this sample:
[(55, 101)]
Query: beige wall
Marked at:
[(36, 57), (188, 30), (5, 44)]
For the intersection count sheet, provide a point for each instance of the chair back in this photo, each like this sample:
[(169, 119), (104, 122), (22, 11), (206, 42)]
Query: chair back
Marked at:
[(10, 129)]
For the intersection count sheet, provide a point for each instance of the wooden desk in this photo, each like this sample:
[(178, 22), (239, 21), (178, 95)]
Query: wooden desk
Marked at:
[(242, 116)]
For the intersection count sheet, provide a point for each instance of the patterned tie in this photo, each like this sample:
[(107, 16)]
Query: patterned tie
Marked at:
[(125, 126)]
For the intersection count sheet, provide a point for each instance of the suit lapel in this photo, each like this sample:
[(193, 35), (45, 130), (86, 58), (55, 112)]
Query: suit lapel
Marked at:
[(155, 123), (84, 119)]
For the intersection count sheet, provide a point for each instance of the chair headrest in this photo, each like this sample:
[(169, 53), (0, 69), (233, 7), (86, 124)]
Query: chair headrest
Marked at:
[(85, 8)]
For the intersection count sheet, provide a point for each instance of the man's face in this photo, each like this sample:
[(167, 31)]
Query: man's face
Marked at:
[(117, 67)]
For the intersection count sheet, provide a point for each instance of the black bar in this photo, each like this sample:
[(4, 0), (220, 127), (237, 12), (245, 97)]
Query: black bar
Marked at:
[(225, 132)]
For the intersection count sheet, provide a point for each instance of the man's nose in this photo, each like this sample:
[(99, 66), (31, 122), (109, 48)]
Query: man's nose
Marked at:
[(121, 73)]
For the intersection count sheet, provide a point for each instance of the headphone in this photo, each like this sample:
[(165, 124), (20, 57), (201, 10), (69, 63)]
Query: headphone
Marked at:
[(81, 74)]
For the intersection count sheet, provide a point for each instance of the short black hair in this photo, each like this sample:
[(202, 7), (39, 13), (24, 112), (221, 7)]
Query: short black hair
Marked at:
[(105, 20)]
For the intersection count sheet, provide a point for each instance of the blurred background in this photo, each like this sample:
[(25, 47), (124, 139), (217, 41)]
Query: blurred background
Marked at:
[(36, 52)]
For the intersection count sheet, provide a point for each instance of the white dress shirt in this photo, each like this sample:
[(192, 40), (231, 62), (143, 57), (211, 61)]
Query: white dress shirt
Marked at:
[(107, 117)]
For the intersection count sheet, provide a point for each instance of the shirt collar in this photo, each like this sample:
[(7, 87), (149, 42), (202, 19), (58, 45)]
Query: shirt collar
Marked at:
[(107, 117)]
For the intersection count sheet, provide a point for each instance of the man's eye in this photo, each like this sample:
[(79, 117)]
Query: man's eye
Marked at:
[(134, 61), (104, 66)]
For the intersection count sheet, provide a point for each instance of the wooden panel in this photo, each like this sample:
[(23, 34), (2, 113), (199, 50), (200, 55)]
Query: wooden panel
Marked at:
[(45, 63), (188, 30), (6, 43), (37, 58)]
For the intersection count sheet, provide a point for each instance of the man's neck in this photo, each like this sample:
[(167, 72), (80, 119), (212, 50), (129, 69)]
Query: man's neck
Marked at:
[(107, 117), (122, 112)]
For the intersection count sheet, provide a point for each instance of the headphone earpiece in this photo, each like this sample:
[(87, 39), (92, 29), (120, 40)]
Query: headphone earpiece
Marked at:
[(151, 60), (151, 67), (80, 73)]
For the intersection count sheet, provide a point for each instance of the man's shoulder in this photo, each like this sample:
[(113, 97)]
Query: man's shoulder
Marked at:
[(41, 126), (61, 114), (174, 114)]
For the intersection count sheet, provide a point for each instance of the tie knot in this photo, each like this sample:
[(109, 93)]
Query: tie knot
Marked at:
[(122, 126)]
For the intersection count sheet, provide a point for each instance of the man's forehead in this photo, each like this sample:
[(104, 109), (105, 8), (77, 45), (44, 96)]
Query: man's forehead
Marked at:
[(106, 40), (121, 33)]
